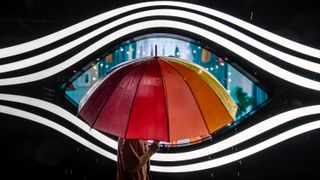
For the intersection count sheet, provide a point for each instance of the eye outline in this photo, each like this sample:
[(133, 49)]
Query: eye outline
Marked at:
[(166, 36)]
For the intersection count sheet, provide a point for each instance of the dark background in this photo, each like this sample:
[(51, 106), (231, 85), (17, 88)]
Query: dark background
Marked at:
[(30, 150)]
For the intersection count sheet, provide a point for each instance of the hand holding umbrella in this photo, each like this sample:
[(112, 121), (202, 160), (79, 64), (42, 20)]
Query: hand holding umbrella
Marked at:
[(154, 147), (146, 156)]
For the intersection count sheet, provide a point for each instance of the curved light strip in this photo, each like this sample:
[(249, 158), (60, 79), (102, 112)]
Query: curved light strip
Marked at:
[(227, 143), (241, 154), (55, 52), (249, 56), (240, 137), (302, 63), (53, 125), (169, 169), (43, 41), (62, 113), (25, 47)]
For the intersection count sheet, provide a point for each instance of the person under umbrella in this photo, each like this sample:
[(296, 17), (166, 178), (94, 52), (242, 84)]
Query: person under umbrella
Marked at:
[(157, 98), (133, 161)]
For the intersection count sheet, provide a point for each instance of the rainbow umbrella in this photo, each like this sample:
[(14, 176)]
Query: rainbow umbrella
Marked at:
[(158, 98)]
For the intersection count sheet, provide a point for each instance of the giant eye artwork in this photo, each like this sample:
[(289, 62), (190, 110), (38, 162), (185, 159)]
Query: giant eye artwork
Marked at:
[(199, 48), (245, 92)]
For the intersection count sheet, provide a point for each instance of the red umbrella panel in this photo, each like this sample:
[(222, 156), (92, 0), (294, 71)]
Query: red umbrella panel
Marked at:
[(158, 98)]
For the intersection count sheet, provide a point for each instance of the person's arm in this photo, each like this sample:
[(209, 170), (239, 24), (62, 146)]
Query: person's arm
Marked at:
[(146, 156)]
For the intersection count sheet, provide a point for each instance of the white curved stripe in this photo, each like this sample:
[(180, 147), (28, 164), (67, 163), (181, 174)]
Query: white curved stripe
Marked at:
[(25, 47), (57, 51), (57, 127), (240, 137), (295, 46), (51, 38), (302, 63), (214, 148), (249, 56), (62, 113), (170, 169), (241, 154)]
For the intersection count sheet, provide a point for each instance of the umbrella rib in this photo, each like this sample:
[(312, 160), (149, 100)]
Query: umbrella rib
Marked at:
[(108, 98), (134, 97), (206, 125), (94, 122), (166, 99)]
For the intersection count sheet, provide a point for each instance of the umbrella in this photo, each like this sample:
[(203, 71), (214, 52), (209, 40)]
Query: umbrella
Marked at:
[(158, 98)]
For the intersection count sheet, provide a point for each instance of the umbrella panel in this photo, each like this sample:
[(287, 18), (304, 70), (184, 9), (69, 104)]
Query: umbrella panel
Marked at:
[(148, 119), (100, 95), (185, 118), (116, 111), (213, 110)]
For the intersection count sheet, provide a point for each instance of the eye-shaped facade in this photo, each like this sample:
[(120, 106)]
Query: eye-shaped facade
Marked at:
[(248, 95), (40, 83)]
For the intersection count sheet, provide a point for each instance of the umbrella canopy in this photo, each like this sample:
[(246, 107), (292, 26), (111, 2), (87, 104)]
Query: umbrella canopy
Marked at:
[(158, 98)]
